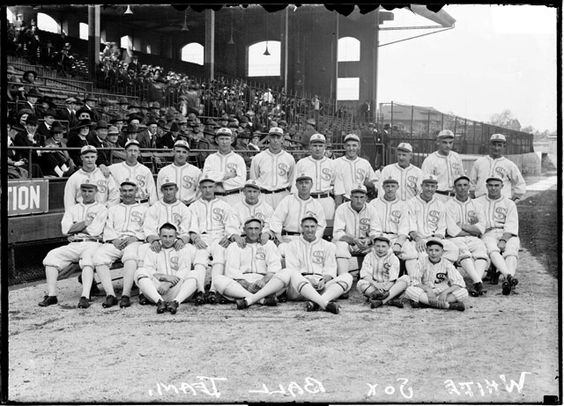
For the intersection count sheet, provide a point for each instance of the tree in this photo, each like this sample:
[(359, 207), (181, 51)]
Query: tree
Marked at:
[(505, 119)]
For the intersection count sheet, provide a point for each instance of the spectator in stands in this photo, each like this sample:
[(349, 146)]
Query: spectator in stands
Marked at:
[(68, 113), (32, 96), (84, 114), (98, 138), (57, 163), (30, 138), (48, 55), (90, 105), (44, 128), (105, 112), (32, 43), (116, 155), (15, 89), (78, 139), (65, 60), (118, 121), (16, 165), (148, 137)]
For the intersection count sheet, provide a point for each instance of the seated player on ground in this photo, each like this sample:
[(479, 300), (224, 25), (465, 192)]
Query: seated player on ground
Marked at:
[(379, 276), (437, 284), (167, 278)]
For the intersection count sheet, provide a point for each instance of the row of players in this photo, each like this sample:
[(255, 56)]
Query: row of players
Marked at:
[(479, 230)]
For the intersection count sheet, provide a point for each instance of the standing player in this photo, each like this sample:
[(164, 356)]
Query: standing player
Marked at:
[(252, 206), (379, 279), (322, 171), (213, 226), (437, 284), (394, 223), (185, 175), (166, 277), (226, 168), (139, 173), (273, 169), (311, 273), (108, 193), (409, 176), (501, 234), (496, 165), (84, 224), (351, 170), (445, 164), (248, 269), (123, 235), (464, 228), (355, 228)]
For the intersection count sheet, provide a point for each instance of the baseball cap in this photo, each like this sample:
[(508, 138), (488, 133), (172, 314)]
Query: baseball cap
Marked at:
[(131, 142), (404, 146), (352, 137), (250, 219), (317, 138), (303, 176), (309, 218), (461, 177), (206, 178), (390, 180), (128, 181), (382, 238), (88, 148), (87, 185), (430, 179), (224, 131), (252, 183), (445, 134), (496, 178), (276, 131), (498, 138), (434, 241), (168, 182), (359, 188), (183, 144)]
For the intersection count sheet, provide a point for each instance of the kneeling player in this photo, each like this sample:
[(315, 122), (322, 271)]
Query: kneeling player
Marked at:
[(166, 277), (379, 275), (437, 282)]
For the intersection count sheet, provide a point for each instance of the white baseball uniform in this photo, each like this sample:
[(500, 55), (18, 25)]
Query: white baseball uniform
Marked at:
[(445, 167), (217, 165), (292, 209), (252, 262), (141, 175), (350, 173), (107, 194), (261, 210), (124, 220), (187, 178), (362, 224), (500, 216), (381, 272), (458, 213), (484, 167), (83, 243), (439, 277), (409, 180), (274, 173), (323, 175)]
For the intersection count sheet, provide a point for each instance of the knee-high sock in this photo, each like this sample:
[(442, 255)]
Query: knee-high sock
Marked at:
[(511, 262), (186, 290), (481, 265), (233, 289), (468, 266), (149, 290), (51, 273), (201, 269), (499, 262), (129, 268), (217, 269), (87, 280), (274, 285), (396, 290), (103, 272)]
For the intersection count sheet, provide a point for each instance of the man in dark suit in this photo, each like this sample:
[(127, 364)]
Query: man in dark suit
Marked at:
[(29, 138), (98, 138), (90, 105), (69, 112), (32, 96), (44, 127)]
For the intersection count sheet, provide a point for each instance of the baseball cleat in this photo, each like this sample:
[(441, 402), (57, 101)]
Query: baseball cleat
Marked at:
[(380, 295), (200, 299), (143, 300), (395, 302), (332, 307), (124, 302), (211, 297), (374, 303), (311, 306), (83, 303), (111, 300), (48, 301), (508, 284), (241, 304), (344, 296), (283, 298), (270, 301), (222, 299), (161, 306), (172, 306), (477, 289), (456, 306)]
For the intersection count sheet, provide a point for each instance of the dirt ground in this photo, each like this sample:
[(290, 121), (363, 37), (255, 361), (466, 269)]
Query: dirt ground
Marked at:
[(501, 349)]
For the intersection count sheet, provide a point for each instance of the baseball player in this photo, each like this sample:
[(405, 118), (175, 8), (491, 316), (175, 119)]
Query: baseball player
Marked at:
[(464, 228), (354, 228), (213, 226), (166, 277), (379, 279), (252, 206), (394, 223), (496, 165), (427, 219), (273, 169), (123, 235), (311, 273), (249, 269), (437, 284), (501, 231), (286, 220), (226, 168), (351, 170), (322, 172), (409, 176), (84, 224), (139, 173), (107, 194), (185, 175), (445, 164)]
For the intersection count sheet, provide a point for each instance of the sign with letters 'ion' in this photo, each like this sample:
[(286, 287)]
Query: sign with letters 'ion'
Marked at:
[(28, 196)]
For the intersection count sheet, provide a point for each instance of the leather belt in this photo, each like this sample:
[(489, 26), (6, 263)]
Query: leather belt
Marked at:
[(321, 195), (284, 232), (268, 192), (86, 240), (228, 192), (142, 200), (443, 192)]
